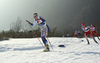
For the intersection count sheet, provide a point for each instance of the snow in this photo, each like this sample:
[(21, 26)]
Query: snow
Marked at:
[(29, 50)]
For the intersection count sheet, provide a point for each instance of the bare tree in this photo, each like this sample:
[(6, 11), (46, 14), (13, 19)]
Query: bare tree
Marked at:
[(16, 26)]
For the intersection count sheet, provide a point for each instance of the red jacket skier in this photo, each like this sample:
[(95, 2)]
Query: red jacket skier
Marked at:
[(93, 31), (87, 33), (75, 33)]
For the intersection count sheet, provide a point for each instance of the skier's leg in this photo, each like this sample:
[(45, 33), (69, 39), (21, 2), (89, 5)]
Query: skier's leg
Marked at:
[(44, 40), (97, 35), (95, 40), (92, 36), (43, 36), (86, 38)]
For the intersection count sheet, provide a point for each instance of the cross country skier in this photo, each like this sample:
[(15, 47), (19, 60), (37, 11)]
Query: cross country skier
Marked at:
[(93, 31), (43, 25), (79, 33), (75, 33), (86, 30)]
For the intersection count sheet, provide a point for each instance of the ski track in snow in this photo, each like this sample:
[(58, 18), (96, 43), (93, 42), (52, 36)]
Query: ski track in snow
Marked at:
[(29, 50)]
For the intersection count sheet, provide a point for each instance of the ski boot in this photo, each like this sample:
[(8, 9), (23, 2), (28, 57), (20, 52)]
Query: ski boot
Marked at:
[(47, 48), (96, 42), (88, 41)]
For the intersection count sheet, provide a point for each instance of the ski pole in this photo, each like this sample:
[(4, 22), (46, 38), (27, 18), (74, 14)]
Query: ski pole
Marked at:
[(48, 39), (36, 35)]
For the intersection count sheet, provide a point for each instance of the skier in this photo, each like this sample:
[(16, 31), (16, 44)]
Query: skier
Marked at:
[(43, 25), (93, 31), (86, 30), (75, 33), (79, 33), (67, 35)]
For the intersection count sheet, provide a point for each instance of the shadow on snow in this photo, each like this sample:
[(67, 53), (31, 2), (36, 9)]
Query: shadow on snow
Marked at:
[(94, 53), (29, 48), (91, 53), (4, 49)]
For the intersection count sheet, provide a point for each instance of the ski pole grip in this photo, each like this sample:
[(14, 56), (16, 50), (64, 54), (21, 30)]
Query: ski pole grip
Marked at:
[(27, 21)]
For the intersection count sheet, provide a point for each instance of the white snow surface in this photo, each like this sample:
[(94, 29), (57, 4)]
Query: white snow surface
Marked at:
[(29, 50)]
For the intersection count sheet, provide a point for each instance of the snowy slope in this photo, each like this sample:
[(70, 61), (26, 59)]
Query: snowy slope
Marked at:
[(29, 51)]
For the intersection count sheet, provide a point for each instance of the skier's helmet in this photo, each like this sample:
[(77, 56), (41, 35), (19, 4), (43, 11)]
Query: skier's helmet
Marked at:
[(35, 14), (82, 24)]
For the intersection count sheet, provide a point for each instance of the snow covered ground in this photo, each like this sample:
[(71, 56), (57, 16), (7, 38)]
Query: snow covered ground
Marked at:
[(28, 50)]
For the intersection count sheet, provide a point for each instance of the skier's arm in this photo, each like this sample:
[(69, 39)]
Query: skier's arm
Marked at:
[(32, 24), (82, 30), (28, 21)]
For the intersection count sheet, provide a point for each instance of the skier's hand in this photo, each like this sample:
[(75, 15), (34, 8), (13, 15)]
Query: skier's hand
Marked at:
[(28, 21)]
